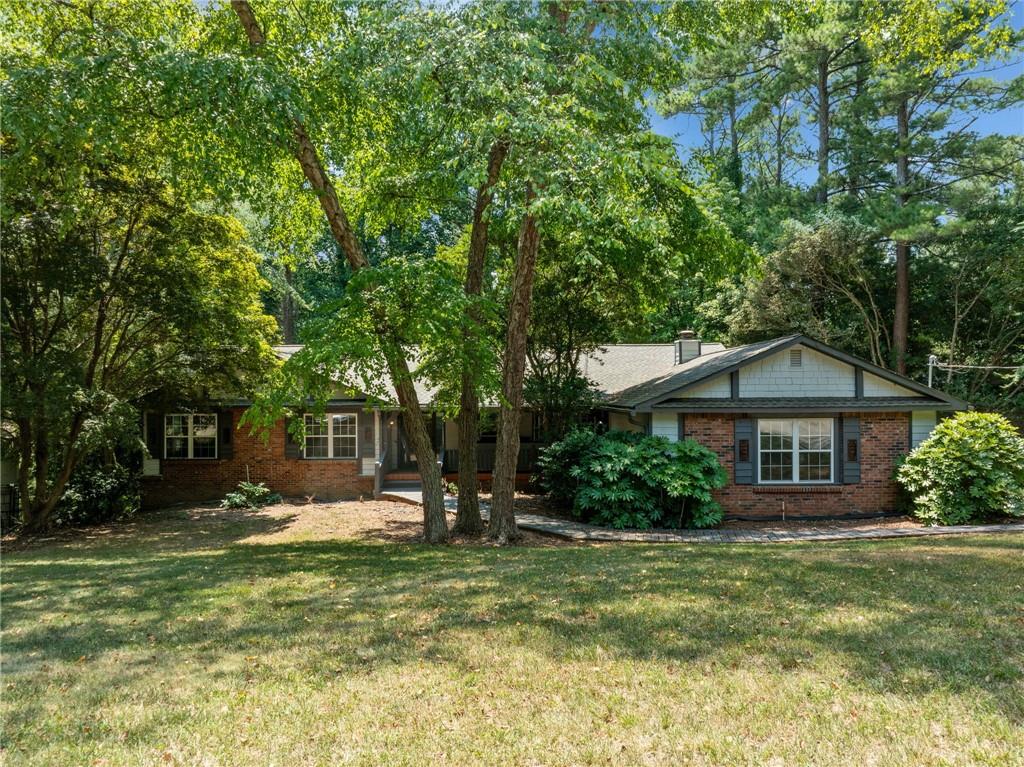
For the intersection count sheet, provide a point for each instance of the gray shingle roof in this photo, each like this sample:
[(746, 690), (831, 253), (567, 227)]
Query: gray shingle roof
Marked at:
[(639, 383), (629, 376)]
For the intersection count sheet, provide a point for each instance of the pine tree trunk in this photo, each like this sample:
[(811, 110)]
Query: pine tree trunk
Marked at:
[(435, 525), (901, 314), (824, 117), (502, 527), (467, 519)]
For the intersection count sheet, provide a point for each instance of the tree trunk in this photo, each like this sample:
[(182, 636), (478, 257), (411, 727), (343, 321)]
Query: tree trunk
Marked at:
[(901, 315), (435, 527), (823, 128), (502, 527), (779, 155), (467, 519), (735, 166), (288, 308)]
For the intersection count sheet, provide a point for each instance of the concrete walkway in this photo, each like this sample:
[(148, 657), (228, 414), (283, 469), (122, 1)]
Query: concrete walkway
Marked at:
[(579, 531)]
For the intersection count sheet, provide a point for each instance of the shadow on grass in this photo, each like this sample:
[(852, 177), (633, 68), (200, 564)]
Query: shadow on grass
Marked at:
[(904, 617)]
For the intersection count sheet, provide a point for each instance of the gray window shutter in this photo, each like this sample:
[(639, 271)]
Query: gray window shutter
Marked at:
[(838, 450), (745, 450), (366, 423), (851, 451), (681, 426), (292, 449), (226, 434), (155, 434)]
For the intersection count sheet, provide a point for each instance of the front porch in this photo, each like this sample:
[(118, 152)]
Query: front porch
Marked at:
[(398, 465)]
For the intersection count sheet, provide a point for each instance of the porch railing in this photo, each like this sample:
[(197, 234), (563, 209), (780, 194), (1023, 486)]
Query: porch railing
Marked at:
[(526, 461)]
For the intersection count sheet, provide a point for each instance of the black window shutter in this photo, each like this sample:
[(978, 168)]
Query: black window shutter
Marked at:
[(743, 466), (292, 449), (226, 434), (155, 434), (681, 426), (851, 450)]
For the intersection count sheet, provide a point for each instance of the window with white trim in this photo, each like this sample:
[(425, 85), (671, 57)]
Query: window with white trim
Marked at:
[(332, 436), (190, 435), (795, 450)]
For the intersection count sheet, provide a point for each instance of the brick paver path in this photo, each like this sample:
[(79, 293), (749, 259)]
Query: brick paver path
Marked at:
[(578, 531)]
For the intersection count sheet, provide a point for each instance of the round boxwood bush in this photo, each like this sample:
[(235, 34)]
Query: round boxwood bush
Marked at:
[(627, 480), (971, 469)]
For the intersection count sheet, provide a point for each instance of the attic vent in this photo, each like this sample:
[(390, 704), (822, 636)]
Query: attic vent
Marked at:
[(795, 358)]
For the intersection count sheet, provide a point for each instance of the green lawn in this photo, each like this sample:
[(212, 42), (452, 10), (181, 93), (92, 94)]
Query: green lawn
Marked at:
[(213, 641)]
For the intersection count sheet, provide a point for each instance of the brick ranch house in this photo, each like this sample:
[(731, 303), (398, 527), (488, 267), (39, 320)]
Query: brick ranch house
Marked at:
[(801, 428)]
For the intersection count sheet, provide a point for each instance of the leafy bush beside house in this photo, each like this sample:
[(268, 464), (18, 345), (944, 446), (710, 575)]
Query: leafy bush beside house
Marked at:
[(250, 495), (622, 479), (970, 469)]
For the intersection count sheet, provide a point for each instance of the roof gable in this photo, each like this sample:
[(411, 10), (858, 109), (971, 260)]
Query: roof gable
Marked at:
[(699, 370)]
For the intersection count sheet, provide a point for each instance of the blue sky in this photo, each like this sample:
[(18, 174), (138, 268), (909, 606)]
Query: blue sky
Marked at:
[(684, 130)]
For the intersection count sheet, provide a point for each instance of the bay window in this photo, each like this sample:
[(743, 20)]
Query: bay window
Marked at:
[(333, 436), (795, 450), (190, 435)]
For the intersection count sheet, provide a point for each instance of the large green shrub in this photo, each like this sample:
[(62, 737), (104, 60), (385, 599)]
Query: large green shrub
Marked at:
[(970, 469), (621, 479), (98, 493)]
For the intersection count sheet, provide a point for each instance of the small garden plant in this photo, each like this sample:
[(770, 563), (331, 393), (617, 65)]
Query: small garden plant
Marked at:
[(627, 480), (970, 469), (250, 495)]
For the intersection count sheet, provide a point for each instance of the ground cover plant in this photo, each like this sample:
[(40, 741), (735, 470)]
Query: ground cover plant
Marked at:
[(293, 636), (250, 495)]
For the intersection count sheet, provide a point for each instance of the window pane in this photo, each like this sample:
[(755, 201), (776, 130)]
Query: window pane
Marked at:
[(815, 449), (815, 467), (204, 447), (344, 431), (204, 426), (776, 455), (177, 447), (176, 425), (316, 447), (316, 437)]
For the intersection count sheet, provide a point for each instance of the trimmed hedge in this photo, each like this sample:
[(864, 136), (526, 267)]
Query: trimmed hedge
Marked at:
[(970, 469), (628, 480)]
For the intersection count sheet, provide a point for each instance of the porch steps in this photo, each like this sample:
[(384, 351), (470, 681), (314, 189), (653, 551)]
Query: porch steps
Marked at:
[(402, 486)]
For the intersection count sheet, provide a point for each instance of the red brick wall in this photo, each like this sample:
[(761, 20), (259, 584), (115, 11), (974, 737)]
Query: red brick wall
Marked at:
[(206, 480), (884, 437)]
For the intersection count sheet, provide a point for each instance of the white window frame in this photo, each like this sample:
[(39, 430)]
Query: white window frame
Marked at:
[(794, 426), (309, 419), (189, 436)]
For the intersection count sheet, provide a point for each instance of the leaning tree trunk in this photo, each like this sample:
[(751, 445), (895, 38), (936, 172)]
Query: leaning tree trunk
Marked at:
[(468, 520), (901, 313), (502, 527), (435, 526)]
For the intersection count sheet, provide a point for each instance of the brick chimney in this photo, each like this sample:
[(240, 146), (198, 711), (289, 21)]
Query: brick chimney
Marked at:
[(687, 346)]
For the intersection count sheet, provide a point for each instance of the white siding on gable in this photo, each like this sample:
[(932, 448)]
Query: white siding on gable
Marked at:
[(817, 376), (922, 422), (879, 387), (718, 387), (665, 424)]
